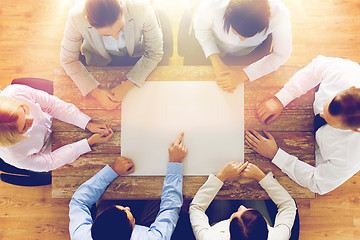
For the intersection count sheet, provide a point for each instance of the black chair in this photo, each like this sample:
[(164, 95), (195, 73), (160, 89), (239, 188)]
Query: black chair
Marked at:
[(166, 29), (23, 177)]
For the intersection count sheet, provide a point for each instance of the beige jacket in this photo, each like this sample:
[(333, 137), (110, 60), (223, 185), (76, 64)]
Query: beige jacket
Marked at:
[(220, 231), (141, 31)]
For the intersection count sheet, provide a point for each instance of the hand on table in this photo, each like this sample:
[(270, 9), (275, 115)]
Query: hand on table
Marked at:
[(100, 138), (123, 166), (229, 79), (252, 171), (120, 90), (231, 170), (269, 110), (177, 150), (96, 127), (266, 147), (105, 98)]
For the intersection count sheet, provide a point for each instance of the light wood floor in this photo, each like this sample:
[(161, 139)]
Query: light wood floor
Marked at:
[(30, 36)]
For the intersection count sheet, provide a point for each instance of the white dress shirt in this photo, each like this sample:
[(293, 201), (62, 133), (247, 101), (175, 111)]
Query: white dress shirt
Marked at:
[(209, 30), (221, 231), (337, 151), (34, 153)]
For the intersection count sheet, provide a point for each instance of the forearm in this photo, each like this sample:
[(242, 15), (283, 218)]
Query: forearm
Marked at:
[(58, 158), (69, 58), (217, 64), (201, 201), (285, 204), (281, 51), (171, 202), (320, 179), (83, 199)]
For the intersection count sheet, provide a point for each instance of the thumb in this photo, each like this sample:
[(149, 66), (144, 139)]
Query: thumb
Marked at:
[(268, 135), (270, 119)]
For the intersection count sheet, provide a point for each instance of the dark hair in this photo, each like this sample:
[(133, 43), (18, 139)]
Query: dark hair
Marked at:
[(102, 13), (347, 105), (247, 17), (112, 224), (250, 226)]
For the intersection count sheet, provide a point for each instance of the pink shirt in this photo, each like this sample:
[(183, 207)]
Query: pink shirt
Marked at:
[(35, 152)]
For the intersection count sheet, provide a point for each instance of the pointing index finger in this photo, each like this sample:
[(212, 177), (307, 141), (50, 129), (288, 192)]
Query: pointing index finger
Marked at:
[(179, 139)]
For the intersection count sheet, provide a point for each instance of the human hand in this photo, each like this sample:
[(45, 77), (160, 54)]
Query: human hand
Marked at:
[(177, 150), (100, 138), (252, 171), (231, 170), (269, 110), (123, 166), (105, 98), (120, 90), (266, 147), (95, 127), (229, 79)]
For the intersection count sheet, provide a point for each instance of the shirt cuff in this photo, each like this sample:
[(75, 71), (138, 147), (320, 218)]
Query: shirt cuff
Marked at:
[(265, 181), (280, 158), (83, 146), (284, 97), (174, 168), (129, 78), (215, 180), (83, 120), (108, 173)]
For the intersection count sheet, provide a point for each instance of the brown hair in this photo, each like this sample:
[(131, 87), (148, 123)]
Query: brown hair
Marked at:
[(247, 17), (102, 13), (347, 105), (250, 225), (9, 134)]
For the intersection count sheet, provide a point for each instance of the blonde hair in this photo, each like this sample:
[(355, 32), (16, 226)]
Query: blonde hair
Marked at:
[(9, 134)]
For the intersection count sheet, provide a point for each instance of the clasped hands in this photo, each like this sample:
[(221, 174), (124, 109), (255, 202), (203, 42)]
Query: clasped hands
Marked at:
[(233, 170), (228, 79), (111, 99)]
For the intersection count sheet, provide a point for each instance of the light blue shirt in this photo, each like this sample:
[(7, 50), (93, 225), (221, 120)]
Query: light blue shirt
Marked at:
[(90, 191)]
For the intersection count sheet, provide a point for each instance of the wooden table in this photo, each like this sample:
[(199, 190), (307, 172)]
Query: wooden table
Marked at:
[(293, 131)]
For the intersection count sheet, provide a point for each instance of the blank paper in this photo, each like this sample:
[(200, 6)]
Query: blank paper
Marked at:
[(154, 115)]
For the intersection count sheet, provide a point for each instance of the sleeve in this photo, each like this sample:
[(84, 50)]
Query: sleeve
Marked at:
[(171, 202), (285, 217), (282, 47), (55, 107), (320, 179), (83, 199), (152, 38), (53, 160), (69, 57), (203, 23), (203, 198), (304, 80)]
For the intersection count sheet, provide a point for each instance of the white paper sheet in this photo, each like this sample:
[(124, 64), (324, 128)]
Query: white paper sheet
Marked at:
[(212, 120)]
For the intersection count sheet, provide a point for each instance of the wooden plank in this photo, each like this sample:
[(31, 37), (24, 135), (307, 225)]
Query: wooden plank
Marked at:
[(89, 164), (127, 187)]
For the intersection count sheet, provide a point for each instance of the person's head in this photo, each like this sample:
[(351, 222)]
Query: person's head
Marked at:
[(343, 111), (106, 16), (246, 18), (115, 222), (15, 120), (247, 224)]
